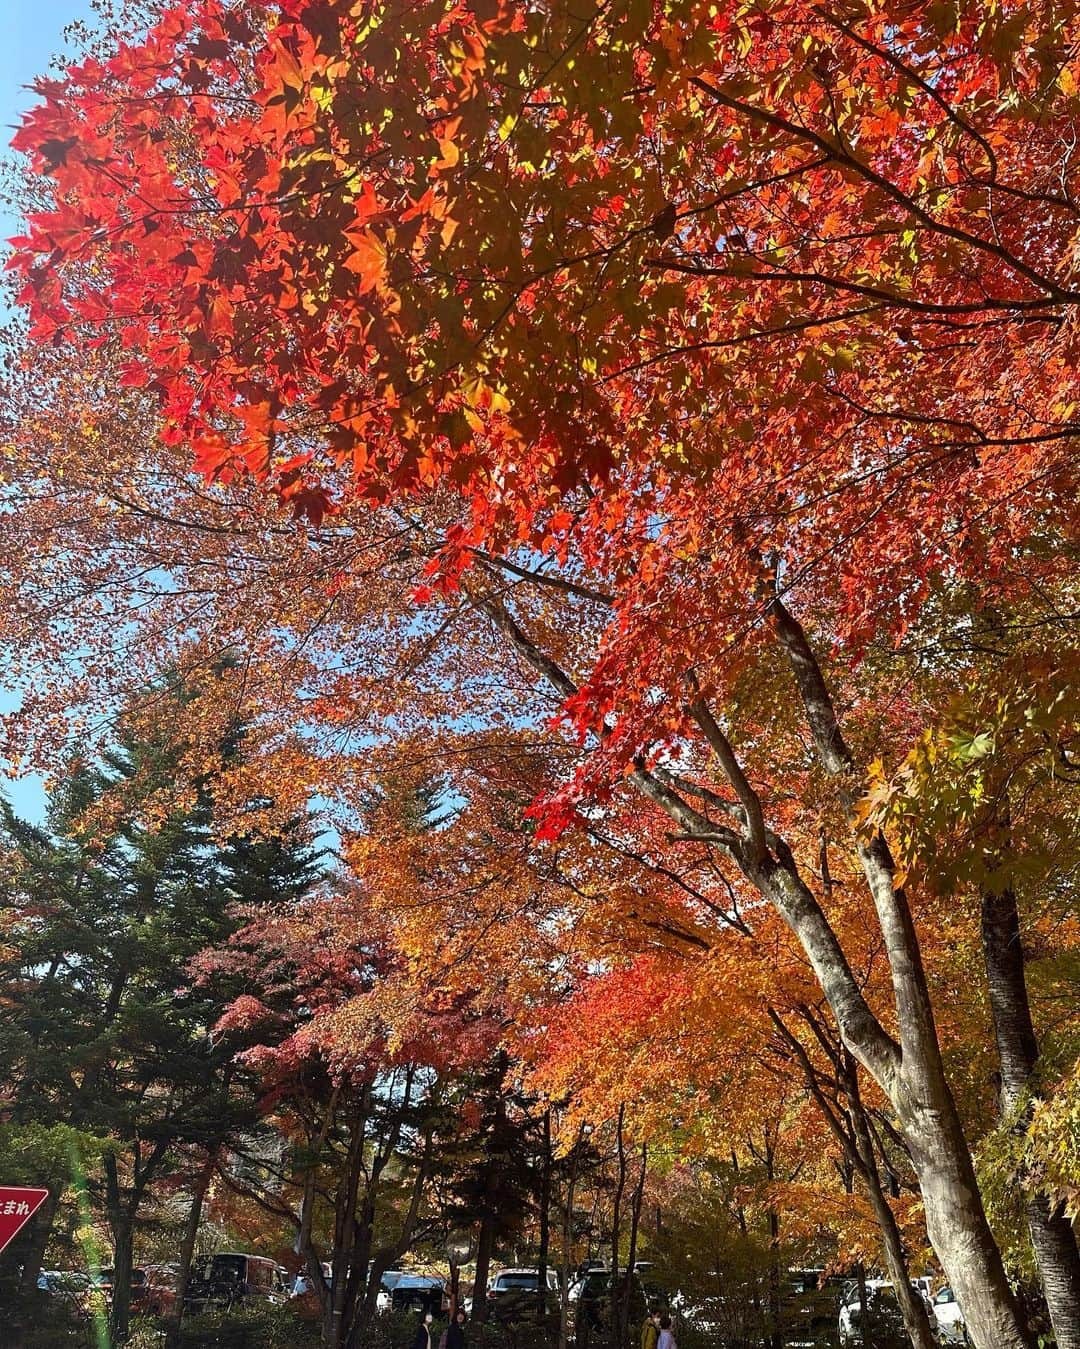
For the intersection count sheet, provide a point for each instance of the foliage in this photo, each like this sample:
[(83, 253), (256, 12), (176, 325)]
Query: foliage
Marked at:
[(675, 403), (261, 1326)]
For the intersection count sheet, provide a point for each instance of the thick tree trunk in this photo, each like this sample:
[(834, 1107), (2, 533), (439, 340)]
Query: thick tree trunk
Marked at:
[(1052, 1235), (41, 1229), (120, 1310), (484, 1243), (912, 1073), (121, 1213), (913, 1077), (956, 1223)]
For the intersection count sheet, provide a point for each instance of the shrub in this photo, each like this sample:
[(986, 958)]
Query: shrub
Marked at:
[(259, 1326)]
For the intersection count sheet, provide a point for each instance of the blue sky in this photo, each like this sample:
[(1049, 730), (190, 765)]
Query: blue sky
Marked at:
[(33, 34)]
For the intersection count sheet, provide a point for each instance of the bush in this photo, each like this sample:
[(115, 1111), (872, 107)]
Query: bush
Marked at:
[(259, 1326), (43, 1322)]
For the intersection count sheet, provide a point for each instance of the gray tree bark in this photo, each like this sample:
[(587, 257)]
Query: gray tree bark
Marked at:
[(1052, 1235)]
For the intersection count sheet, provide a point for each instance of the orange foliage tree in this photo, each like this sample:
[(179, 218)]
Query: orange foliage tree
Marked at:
[(697, 348)]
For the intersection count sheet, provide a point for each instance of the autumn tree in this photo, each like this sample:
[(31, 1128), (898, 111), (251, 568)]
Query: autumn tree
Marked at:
[(357, 1095), (722, 337)]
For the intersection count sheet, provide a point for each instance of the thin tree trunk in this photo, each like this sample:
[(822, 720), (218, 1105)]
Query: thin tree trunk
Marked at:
[(187, 1250), (567, 1243), (776, 1334), (912, 1307), (864, 1305), (616, 1233), (545, 1216), (631, 1259), (857, 1145), (387, 1256), (1052, 1235)]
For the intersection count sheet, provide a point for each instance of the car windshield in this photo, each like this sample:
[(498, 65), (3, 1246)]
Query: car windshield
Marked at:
[(224, 1269), (70, 1281), (880, 1301), (505, 1281), (803, 1281)]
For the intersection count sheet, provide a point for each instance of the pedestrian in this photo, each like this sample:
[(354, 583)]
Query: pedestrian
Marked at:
[(423, 1333), (667, 1338), (650, 1329), (455, 1331)]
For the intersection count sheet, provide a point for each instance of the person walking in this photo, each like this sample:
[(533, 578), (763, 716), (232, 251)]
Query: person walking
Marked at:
[(667, 1335), (423, 1338), (455, 1331), (650, 1329)]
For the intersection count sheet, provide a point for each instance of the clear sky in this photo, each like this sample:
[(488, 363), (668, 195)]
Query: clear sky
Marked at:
[(33, 33)]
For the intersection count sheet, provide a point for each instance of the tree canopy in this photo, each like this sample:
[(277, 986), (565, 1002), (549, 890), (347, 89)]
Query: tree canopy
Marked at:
[(675, 406)]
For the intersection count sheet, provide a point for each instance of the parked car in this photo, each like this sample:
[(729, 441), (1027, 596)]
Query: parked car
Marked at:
[(104, 1279), (950, 1319), (514, 1293), (420, 1293), (302, 1284), (158, 1291), (153, 1288), (884, 1326), (389, 1281), (810, 1301), (231, 1278), (592, 1297), (592, 1276), (509, 1281), (74, 1287)]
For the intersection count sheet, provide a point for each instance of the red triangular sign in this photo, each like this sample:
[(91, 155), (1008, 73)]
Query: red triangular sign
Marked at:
[(17, 1207)]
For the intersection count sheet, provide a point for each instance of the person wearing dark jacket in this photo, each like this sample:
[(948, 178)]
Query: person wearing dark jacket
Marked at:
[(455, 1332), (423, 1338)]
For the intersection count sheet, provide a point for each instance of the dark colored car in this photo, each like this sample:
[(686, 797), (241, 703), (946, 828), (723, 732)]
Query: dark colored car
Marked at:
[(153, 1288), (514, 1294), (106, 1278), (231, 1278), (593, 1302), (809, 1304), (419, 1293)]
